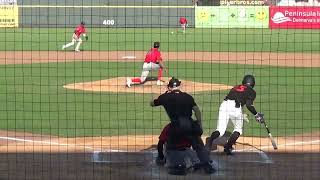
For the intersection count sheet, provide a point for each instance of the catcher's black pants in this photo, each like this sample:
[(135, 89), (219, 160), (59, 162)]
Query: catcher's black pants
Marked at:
[(186, 128)]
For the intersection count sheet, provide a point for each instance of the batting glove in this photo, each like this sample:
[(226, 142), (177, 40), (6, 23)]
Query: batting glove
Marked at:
[(259, 117)]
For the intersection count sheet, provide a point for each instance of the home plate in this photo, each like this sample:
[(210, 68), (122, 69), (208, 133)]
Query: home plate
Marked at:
[(128, 57)]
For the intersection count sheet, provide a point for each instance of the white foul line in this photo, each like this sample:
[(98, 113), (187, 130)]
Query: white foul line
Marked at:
[(281, 145), (55, 143), (265, 157)]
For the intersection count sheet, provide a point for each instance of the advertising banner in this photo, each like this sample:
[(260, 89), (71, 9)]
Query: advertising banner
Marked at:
[(232, 17), (232, 2), (299, 17), (9, 16)]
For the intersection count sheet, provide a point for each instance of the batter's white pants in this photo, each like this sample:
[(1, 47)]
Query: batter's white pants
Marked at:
[(147, 67), (228, 111), (73, 41)]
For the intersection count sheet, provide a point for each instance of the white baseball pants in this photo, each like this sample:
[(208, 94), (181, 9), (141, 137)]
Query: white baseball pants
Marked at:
[(228, 111), (147, 67), (73, 41)]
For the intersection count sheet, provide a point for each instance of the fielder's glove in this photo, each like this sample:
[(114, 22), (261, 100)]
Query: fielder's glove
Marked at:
[(87, 38), (259, 117)]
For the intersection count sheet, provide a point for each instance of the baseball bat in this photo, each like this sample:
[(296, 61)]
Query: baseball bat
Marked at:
[(273, 142)]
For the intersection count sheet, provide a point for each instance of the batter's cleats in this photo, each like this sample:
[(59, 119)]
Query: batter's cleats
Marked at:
[(228, 150), (77, 50), (159, 83), (128, 83)]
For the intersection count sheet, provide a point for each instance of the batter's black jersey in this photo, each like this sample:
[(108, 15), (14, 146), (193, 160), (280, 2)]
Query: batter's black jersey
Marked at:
[(176, 103), (243, 95)]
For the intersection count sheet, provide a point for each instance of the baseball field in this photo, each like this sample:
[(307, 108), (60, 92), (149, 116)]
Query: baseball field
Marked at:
[(59, 108)]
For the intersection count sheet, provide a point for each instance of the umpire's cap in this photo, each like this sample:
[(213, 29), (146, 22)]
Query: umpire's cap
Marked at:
[(156, 44), (83, 23), (249, 80), (174, 82)]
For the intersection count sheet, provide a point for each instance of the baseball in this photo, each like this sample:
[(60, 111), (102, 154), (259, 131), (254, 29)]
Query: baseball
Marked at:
[(171, 32)]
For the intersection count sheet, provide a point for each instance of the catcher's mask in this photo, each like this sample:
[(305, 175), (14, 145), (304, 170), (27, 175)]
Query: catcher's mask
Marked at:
[(174, 83), (156, 44), (249, 80)]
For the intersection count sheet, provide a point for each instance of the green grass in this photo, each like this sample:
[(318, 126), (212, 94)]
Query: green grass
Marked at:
[(34, 100), (218, 40)]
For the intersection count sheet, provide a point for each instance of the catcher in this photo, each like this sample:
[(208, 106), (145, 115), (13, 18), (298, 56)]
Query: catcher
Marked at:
[(178, 160), (231, 108), (76, 37)]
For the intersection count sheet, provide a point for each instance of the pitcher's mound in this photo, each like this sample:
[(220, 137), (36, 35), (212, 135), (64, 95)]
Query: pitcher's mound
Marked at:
[(119, 85)]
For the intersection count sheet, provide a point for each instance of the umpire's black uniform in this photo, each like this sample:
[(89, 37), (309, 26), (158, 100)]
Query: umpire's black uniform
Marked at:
[(179, 106)]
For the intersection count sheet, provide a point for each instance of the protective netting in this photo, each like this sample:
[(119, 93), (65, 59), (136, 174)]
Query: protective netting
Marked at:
[(79, 79)]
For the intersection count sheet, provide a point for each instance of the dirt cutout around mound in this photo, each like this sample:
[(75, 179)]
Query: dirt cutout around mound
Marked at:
[(118, 84)]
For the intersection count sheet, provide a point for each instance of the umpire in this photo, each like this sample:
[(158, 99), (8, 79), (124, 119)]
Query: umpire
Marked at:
[(179, 106)]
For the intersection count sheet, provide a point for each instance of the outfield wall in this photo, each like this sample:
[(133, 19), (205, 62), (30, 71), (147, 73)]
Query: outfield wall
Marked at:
[(94, 17), (107, 2), (117, 13)]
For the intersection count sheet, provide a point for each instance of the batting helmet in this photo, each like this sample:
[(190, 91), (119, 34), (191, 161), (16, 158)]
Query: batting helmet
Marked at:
[(249, 80), (83, 23), (156, 44), (174, 82)]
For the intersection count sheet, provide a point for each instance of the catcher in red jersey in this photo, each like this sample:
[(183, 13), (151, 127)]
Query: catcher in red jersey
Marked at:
[(231, 109), (152, 61), (76, 37)]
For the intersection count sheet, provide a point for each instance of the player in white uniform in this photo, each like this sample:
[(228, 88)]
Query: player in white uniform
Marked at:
[(231, 108)]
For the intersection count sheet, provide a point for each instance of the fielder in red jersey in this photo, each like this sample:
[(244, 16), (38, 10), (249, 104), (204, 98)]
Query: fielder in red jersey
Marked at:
[(184, 23), (76, 37), (152, 61)]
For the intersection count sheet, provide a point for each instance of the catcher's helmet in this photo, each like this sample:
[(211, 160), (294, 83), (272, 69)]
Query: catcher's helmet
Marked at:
[(174, 82), (83, 23), (249, 80), (156, 44)]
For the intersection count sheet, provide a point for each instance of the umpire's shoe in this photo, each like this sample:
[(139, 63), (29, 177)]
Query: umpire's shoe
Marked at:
[(228, 150), (180, 170)]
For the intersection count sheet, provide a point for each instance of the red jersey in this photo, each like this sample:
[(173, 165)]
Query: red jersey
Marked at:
[(79, 30), (164, 137), (183, 20), (153, 55)]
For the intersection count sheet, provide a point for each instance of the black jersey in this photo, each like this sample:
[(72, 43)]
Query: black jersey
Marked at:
[(243, 95), (176, 103)]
